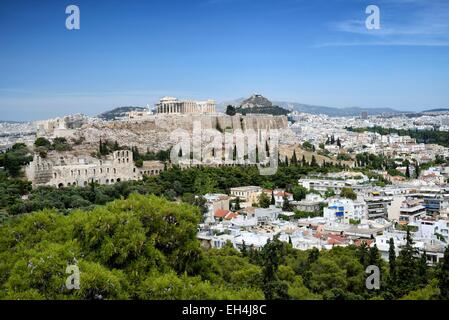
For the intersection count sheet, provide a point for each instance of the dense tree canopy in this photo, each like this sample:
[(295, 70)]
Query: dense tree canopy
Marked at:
[(145, 247)]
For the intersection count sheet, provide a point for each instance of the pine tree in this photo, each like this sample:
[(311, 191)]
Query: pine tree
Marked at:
[(443, 275), (273, 201), (338, 142), (407, 172), (286, 161), (304, 162)]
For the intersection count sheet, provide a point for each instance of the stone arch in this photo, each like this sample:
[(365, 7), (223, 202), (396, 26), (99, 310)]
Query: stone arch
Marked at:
[(61, 185)]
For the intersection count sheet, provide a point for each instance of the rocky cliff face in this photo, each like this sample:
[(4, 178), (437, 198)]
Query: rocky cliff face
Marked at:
[(154, 133)]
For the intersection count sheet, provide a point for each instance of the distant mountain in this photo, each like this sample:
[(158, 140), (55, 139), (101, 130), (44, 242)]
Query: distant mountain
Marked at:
[(9, 121), (313, 109), (336, 112), (436, 110), (118, 113)]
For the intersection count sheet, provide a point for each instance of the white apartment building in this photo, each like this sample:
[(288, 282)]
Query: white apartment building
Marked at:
[(344, 210), (322, 185), (411, 210), (429, 228)]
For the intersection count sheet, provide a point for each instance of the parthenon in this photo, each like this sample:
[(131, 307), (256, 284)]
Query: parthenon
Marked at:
[(173, 105)]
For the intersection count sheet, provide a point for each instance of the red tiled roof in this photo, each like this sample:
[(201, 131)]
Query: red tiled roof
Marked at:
[(221, 213), (230, 216)]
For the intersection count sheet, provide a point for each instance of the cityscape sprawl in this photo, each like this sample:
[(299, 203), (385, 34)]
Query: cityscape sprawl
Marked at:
[(373, 185)]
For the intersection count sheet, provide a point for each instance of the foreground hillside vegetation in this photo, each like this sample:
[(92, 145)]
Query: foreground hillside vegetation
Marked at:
[(131, 240), (145, 247)]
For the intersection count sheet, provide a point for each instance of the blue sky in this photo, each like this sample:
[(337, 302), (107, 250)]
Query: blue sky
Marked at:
[(134, 52)]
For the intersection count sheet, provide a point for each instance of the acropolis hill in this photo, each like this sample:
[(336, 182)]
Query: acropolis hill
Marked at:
[(152, 132)]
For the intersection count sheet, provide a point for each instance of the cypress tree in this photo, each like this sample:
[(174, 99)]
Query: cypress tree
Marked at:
[(374, 256), (407, 265), (294, 160), (422, 270), (392, 259), (313, 163), (443, 275)]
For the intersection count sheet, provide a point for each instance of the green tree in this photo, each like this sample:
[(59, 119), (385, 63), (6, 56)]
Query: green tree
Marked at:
[(286, 206), (294, 160), (230, 110), (313, 162), (42, 142), (407, 266), (407, 172), (348, 193), (329, 193), (263, 200), (273, 255), (443, 275), (299, 193)]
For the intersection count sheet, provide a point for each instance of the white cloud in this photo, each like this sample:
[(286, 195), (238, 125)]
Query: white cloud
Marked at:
[(403, 23)]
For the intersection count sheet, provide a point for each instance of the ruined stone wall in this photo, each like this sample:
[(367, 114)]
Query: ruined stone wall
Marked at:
[(60, 171)]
